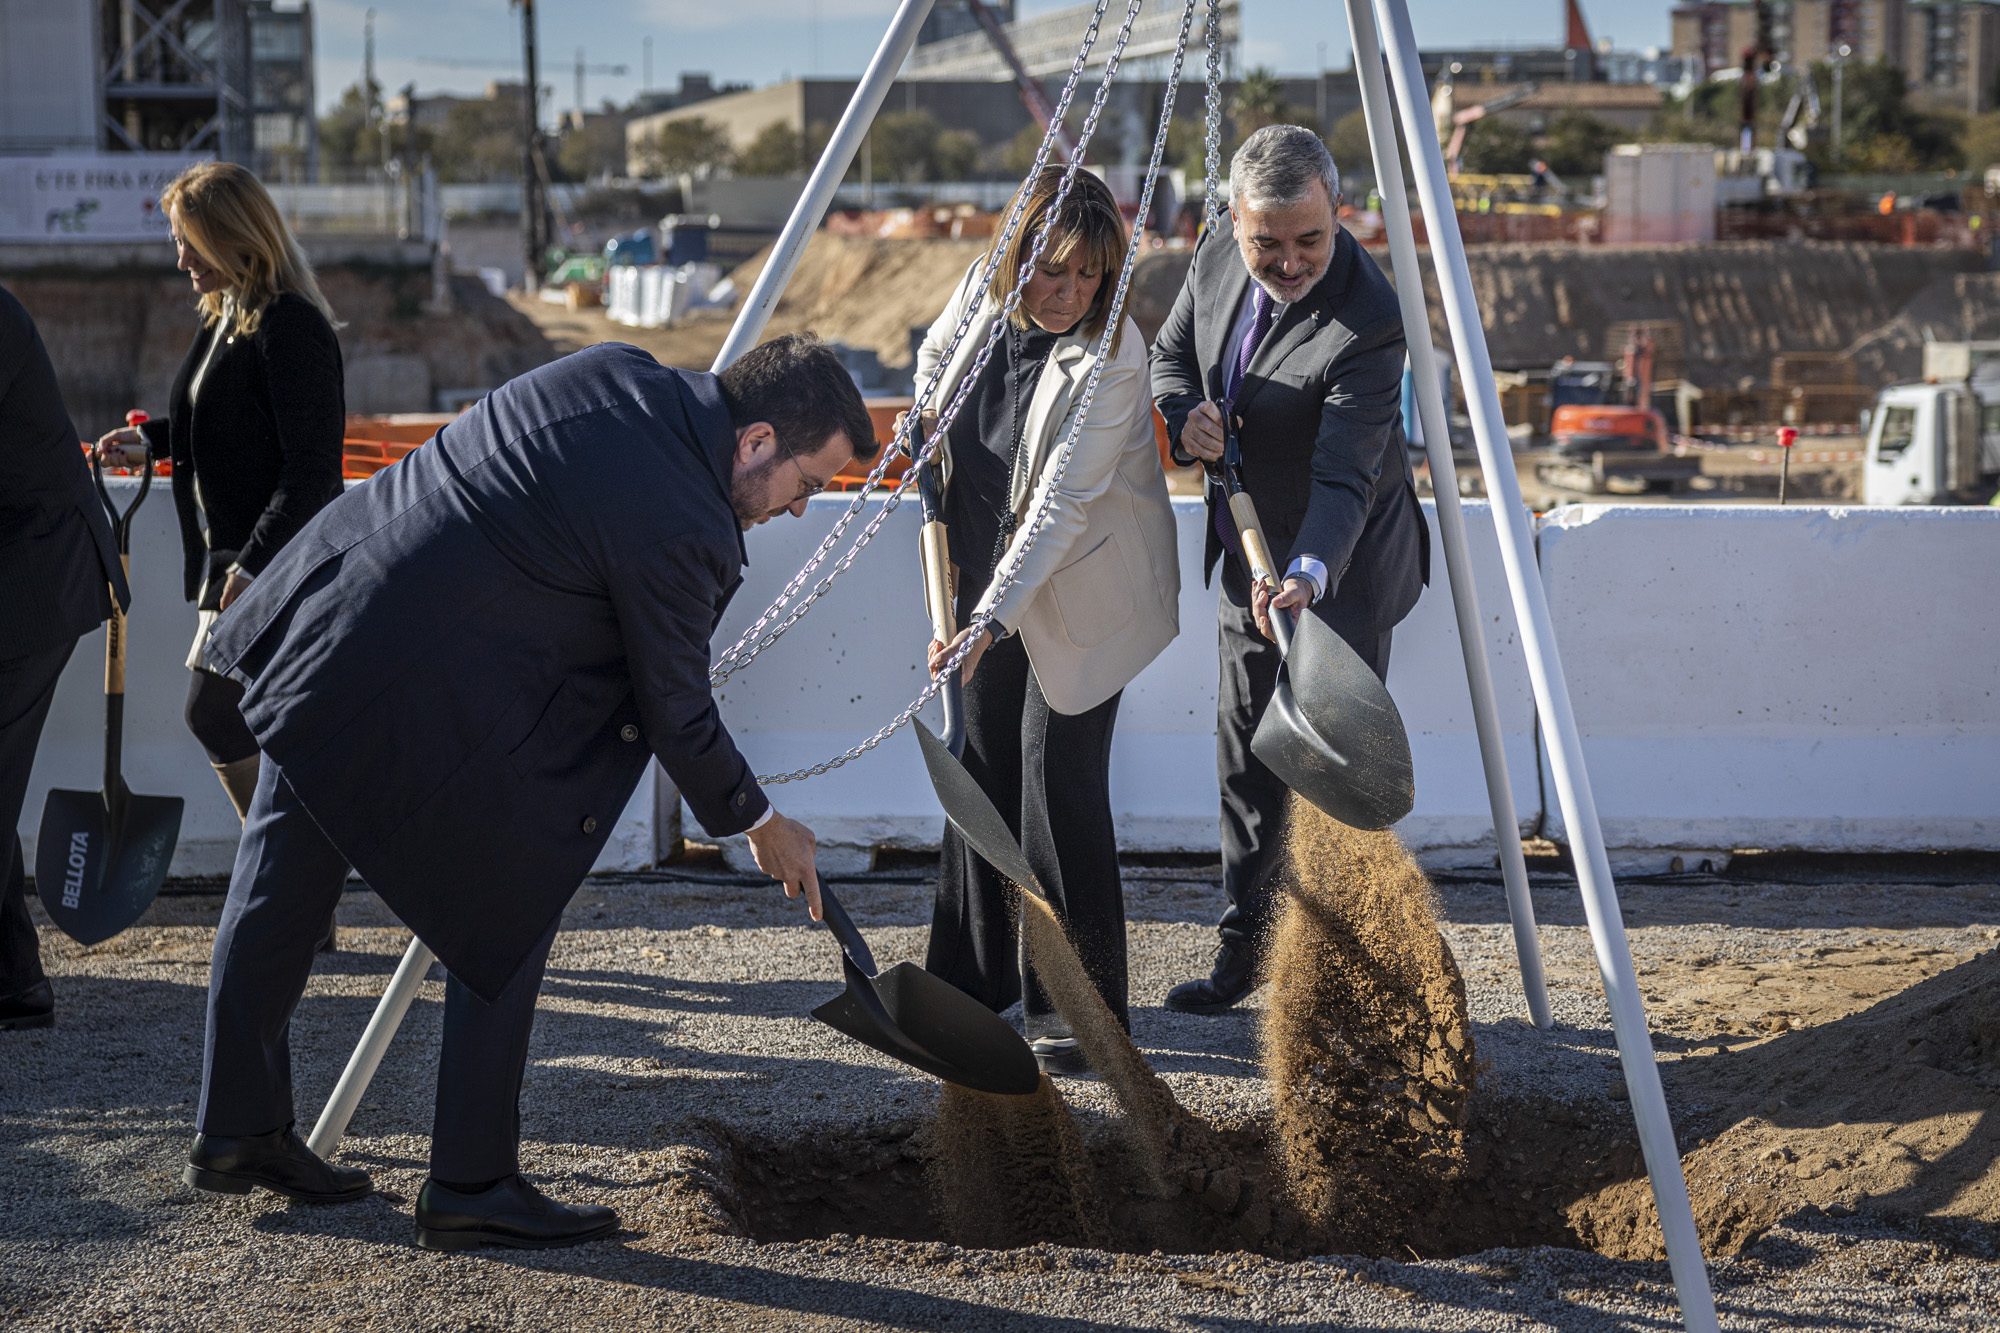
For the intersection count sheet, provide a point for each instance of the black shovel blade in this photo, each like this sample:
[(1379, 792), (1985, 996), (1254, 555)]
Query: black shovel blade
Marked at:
[(94, 878), (973, 813), (1333, 735), (912, 1016)]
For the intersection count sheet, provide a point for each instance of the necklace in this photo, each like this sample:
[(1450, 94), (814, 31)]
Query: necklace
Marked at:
[(1023, 386)]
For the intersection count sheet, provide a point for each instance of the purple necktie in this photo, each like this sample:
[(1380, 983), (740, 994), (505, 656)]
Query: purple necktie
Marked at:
[(1246, 352), (1260, 324)]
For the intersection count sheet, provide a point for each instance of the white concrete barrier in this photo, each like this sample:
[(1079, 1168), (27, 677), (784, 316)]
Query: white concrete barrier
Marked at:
[(1805, 677), (857, 661), (1744, 677)]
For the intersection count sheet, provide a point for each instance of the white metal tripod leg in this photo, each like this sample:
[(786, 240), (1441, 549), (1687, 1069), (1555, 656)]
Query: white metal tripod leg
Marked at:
[(368, 1052), (1444, 485), (825, 179), (1558, 720)]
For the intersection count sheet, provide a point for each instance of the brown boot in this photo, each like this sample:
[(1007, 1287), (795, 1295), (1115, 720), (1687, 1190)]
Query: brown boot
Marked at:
[(239, 780)]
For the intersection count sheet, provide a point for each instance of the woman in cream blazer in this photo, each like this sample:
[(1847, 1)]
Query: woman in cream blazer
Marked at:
[(1087, 604)]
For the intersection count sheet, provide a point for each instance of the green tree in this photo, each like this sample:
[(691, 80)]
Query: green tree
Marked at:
[(955, 156), (905, 145), (1981, 144), (1259, 101), (1348, 142), (1495, 147), (778, 150), (1576, 143), (596, 149), (683, 145), (480, 141)]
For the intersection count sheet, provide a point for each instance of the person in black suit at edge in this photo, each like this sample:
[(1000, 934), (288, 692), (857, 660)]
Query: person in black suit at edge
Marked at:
[(254, 423), (58, 573), (1288, 325), (457, 674)]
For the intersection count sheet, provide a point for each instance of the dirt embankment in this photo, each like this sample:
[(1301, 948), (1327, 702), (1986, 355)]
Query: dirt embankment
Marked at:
[(117, 338)]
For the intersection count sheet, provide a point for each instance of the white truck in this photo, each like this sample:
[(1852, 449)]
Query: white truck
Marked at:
[(1938, 442)]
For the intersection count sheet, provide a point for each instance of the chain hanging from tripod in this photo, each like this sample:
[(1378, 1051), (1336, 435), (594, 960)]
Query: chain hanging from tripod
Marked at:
[(1046, 489), (1211, 118), (755, 639)]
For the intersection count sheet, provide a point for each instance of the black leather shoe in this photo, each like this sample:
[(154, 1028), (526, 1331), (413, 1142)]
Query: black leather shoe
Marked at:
[(279, 1162), (1234, 976), (34, 1007), (510, 1212)]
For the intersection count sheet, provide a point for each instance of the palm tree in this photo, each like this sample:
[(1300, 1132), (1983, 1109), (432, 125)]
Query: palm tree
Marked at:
[(1259, 101)]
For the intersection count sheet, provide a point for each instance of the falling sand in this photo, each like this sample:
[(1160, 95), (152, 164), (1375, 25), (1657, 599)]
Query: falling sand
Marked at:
[(1366, 1039), (1367, 1046)]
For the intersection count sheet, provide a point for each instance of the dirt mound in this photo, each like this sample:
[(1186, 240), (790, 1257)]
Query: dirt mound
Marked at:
[(866, 292), (1366, 1039), (1960, 307), (1891, 1107)]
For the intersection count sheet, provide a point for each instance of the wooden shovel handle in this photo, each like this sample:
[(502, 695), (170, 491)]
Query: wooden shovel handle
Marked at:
[(935, 555), (1255, 551), (114, 638)]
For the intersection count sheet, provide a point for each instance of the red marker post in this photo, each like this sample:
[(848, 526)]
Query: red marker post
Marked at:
[(1787, 437)]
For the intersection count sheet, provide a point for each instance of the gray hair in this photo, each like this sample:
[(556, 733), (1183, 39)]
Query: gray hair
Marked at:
[(1277, 165)]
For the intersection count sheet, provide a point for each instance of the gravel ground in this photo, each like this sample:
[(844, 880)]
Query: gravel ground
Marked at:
[(675, 1076)]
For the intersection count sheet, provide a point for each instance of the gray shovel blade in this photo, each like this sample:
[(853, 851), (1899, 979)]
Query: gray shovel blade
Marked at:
[(912, 1016), (973, 813), (1332, 733), (94, 878)]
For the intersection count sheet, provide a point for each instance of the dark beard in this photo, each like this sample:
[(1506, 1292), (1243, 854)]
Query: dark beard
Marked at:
[(743, 487)]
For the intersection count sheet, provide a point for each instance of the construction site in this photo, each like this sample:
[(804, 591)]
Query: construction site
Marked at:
[(1706, 1035)]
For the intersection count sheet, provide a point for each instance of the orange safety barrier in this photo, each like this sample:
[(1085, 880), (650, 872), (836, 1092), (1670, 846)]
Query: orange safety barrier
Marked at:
[(374, 442)]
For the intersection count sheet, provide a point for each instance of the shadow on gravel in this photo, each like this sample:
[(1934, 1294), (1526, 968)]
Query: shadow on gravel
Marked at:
[(768, 1289), (1703, 899)]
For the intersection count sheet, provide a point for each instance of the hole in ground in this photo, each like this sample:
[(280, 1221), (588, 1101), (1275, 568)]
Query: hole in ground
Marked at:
[(1528, 1162)]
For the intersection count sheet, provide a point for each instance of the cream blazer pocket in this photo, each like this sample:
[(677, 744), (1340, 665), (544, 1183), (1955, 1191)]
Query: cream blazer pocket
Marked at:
[(1093, 594)]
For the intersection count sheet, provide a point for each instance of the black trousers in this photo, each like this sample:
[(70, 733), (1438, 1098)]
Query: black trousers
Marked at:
[(287, 880), (1049, 774), (27, 687), (215, 717), (1253, 799)]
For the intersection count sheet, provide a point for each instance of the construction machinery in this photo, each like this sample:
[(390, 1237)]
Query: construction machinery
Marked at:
[(1938, 442), (1603, 445)]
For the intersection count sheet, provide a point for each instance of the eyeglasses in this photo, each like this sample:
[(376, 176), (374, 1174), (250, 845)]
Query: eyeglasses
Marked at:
[(808, 488)]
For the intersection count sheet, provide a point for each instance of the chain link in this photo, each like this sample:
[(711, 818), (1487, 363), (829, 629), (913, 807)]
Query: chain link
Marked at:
[(747, 646), (1046, 488), (1211, 139)]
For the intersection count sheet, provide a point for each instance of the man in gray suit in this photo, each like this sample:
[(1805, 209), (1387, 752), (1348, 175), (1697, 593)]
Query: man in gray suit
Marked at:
[(59, 571), (1287, 329), (457, 673)]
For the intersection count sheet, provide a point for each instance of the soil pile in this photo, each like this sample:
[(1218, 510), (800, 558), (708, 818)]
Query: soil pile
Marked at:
[(1892, 1108), (1366, 1039)]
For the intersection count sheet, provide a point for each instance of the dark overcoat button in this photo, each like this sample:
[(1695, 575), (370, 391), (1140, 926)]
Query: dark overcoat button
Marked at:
[(628, 732), (590, 823), (742, 798)]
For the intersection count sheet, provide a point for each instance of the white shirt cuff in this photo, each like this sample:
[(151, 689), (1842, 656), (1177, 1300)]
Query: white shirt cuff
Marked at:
[(770, 813), (1313, 570)]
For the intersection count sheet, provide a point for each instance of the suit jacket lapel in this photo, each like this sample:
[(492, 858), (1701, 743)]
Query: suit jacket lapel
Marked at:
[(1048, 409), (1220, 317)]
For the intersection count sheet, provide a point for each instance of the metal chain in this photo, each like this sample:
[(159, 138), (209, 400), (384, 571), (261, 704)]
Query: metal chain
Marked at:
[(741, 653), (1038, 522), (748, 645), (1211, 141)]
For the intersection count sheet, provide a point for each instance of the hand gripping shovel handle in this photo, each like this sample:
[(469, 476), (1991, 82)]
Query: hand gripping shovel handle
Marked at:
[(935, 553), (1250, 530)]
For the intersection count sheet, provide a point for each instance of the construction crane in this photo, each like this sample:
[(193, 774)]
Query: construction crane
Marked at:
[(1032, 95), (580, 67), (1453, 124)]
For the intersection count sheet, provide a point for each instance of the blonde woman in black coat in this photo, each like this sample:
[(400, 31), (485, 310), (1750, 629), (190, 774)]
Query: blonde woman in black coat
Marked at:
[(253, 427)]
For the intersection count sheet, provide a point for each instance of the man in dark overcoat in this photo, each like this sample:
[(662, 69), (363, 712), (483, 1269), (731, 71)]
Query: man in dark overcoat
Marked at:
[(1288, 325), (458, 672), (59, 571)]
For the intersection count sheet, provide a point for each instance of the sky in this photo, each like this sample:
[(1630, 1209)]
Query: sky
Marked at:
[(764, 41)]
